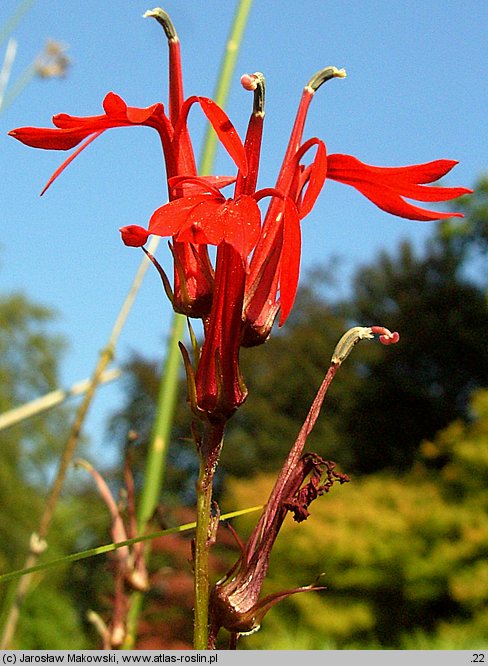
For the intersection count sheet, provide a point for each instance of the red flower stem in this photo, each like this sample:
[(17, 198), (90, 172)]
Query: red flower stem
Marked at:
[(209, 450), (297, 448)]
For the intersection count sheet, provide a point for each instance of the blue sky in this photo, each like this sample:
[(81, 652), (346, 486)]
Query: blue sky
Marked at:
[(416, 90)]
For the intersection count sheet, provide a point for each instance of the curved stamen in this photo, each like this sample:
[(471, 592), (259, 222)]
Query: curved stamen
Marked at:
[(164, 20), (386, 337), (350, 339), (324, 75)]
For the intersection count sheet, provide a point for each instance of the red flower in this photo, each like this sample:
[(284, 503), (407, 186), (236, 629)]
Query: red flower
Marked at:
[(208, 218), (219, 387), (273, 249), (216, 388)]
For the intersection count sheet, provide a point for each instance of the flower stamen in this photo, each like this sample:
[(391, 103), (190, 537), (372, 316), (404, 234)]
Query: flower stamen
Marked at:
[(324, 75), (350, 339), (164, 20)]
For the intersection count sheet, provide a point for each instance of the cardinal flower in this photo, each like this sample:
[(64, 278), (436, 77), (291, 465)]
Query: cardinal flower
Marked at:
[(271, 250), (216, 388)]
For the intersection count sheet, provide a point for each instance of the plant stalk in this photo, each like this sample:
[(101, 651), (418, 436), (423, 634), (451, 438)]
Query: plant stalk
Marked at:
[(205, 531), (168, 389), (224, 80), (156, 459), (204, 500)]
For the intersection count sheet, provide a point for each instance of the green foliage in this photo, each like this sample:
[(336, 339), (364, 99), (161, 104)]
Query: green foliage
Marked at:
[(427, 379), (29, 360), (404, 557), (28, 368), (27, 355), (50, 619)]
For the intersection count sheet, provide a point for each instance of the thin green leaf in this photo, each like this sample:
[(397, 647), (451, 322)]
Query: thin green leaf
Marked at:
[(110, 547)]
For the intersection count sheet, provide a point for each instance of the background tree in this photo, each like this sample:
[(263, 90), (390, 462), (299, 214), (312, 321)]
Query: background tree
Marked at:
[(410, 394)]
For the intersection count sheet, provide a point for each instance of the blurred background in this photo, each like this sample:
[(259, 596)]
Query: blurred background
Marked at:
[(403, 547)]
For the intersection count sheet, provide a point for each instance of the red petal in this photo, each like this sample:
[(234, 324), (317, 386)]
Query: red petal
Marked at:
[(226, 132), (386, 186), (204, 224), (222, 125), (196, 183), (173, 217), (290, 259), (242, 224), (316, 178), (424, 173), (415, 173), (391, 202), (410, 179), (201, 184), (139, 116), (219, 181), (212, 221), (117, 113), (48, 138), (113, 104)]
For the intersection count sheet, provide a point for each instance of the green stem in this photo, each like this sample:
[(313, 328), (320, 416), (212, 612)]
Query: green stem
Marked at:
[(204, 500), (209, 454), (225, 79), (156, 459)]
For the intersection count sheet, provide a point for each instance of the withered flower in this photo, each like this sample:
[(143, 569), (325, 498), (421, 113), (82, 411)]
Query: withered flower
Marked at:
[(234, 603)]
